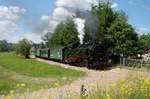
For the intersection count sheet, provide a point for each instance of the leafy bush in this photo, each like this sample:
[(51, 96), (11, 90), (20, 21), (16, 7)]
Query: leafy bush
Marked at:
[(23, 48)]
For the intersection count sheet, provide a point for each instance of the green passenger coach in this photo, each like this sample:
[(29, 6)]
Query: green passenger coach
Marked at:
[(56, 53), (44, 53)]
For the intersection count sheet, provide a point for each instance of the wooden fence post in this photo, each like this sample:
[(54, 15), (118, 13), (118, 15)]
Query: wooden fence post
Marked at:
[(124, 62), (141, 63)]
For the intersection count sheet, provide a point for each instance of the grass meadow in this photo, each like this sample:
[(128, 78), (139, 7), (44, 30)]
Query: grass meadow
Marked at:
[(20, 75)]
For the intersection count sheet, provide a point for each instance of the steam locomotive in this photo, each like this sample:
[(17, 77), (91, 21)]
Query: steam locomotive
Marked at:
[(90, 55)]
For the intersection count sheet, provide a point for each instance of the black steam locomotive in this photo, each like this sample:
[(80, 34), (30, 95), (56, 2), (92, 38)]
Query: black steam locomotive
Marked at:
[(90, 55)]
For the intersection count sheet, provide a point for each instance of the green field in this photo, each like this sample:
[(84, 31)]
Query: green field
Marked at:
[(20, 75)]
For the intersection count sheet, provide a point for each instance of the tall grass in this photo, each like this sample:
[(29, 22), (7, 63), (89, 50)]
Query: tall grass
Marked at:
[(134, 87)]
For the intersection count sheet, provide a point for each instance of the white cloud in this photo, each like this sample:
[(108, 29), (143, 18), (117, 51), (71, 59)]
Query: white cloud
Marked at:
[(11, 12), (143, 30), (61, 14), (7, 29), (52, 25), (8, 21), (45, 18), (114, 5), (17, 9), (65, 9), (33, 37), (30, 36), (80, 4)]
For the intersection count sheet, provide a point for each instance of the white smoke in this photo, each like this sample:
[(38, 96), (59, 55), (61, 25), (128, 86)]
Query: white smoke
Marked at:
[(66, 9), (80, 25)]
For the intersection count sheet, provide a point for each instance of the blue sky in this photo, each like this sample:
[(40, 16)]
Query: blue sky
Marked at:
[(31, 18), (138, 12)]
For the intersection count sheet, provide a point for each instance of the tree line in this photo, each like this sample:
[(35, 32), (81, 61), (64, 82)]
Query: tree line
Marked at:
[(113, 31)]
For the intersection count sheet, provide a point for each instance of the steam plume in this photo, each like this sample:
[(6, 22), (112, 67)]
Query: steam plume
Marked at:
[(91, 23), (80, 25), (66, 9)]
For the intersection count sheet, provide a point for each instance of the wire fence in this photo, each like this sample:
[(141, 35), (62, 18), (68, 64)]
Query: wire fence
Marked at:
[(139, 63)]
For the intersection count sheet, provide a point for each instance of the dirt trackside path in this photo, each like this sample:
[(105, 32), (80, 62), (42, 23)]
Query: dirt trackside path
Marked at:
[(93, 78)]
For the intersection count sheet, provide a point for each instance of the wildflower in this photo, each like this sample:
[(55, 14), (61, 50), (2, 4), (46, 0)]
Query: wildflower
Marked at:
[(47, 97), (122, 81), (7, 97), (113, 85), (12, 92), (64, 78), (18, 85), (126, 92), (108, 96), (23, 85), (129, 93), (147, 95), (46, 86), (56, 84), (131, 89), (147, 82)]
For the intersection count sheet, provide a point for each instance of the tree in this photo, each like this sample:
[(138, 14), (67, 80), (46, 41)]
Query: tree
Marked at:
[(115, 32), (87, 36), (64, 34), (5, 46), (42, 45), (106, 16), (145, 41), (122, 39), (46, 38), (23, 48)]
